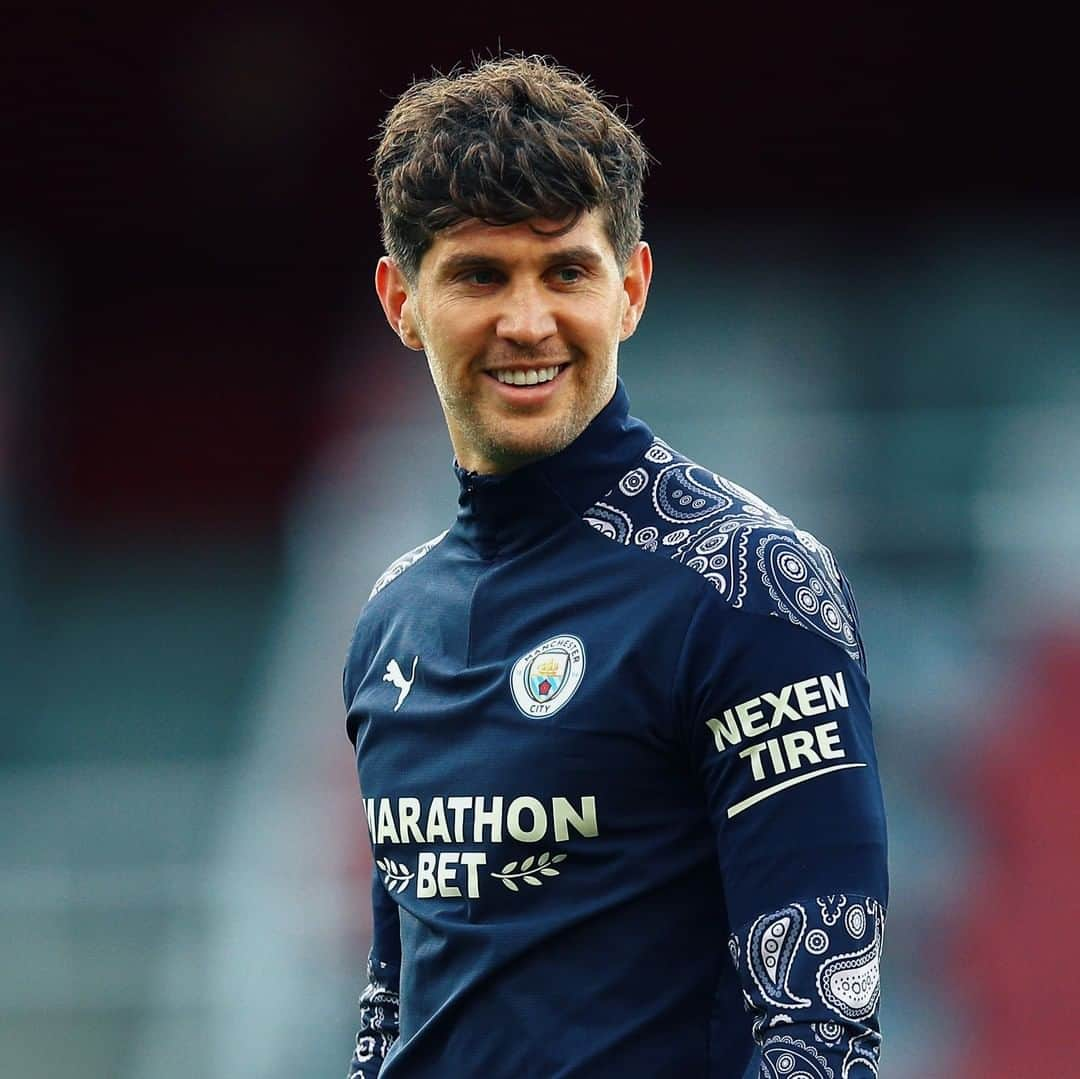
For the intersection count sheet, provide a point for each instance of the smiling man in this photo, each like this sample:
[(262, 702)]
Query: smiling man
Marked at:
[(521, 324), (624, 809)]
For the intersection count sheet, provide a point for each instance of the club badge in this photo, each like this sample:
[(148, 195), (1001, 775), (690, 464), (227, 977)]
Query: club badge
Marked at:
[(547, 676)]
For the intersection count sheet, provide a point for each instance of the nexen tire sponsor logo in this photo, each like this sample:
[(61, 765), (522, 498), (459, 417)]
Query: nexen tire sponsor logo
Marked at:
[(793, 750), (813, 697)]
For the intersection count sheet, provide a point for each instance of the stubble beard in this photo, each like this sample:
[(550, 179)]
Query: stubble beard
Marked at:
[(504, 448), (507, 452)]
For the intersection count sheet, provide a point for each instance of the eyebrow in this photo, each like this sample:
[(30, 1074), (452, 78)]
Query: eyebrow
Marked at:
[(461, 263)]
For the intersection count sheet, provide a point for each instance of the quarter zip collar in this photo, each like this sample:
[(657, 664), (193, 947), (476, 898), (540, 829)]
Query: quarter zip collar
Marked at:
[(499, 512)]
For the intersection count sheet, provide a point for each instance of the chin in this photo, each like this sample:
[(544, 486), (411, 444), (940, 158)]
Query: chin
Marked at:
[(513, 452)]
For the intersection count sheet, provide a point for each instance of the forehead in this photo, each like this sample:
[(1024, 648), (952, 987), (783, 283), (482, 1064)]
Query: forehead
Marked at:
[(537, 238)]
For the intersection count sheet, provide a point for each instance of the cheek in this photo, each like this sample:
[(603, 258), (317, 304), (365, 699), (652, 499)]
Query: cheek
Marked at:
[(598, 329), (457, 337)]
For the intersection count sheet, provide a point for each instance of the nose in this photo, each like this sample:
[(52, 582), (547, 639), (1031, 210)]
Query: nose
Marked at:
[(527, 317)]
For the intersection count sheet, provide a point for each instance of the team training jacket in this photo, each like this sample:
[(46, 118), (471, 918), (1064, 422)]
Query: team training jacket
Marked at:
[(613, 737)]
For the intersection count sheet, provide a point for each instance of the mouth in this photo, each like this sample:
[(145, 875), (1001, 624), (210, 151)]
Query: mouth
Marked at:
[(527, 376)]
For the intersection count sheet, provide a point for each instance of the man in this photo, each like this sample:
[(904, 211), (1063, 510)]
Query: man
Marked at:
[(612, 727)]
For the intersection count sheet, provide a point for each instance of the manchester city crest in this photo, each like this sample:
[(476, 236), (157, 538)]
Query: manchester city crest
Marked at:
[(547, 676)]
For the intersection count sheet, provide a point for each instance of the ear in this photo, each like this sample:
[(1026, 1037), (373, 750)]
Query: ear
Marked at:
[(636, 280), (395, 294)]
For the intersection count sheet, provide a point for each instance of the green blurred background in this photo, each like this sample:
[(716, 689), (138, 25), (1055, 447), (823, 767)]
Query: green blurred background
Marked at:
[(866, 226)]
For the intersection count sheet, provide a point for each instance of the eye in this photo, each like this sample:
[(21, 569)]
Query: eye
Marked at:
[(481, 276), (568, 275)]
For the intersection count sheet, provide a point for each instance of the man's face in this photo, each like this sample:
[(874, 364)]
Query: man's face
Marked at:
[(521, 331)]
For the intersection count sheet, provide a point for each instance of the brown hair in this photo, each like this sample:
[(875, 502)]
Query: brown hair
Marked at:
[(513, 138)]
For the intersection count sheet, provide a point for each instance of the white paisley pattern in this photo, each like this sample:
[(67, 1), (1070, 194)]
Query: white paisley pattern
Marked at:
[(811, 990), (400, 565), (752, 555), (610, 522), (379, 1006), (791, 1058)]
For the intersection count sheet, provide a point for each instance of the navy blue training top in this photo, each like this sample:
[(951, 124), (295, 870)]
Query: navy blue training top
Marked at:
[(613, 738)]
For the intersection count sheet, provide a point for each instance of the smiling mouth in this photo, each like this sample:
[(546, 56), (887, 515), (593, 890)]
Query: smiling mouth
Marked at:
[(527, 376)]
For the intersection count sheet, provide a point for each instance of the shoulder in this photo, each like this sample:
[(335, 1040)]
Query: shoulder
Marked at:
[(404, 562), (371, 621), (755, 558)]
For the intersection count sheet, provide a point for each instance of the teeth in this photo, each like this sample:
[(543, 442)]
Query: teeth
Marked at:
[(527, 378)]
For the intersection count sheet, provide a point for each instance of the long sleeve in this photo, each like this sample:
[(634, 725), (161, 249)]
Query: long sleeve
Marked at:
[(379, 1001), (780, 732), (378, 1028)]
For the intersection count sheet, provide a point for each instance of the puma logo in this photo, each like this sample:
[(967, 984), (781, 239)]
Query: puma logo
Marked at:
[(395, 676)]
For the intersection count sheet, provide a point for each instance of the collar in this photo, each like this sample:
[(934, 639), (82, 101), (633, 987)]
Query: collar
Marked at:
[(498, 512)]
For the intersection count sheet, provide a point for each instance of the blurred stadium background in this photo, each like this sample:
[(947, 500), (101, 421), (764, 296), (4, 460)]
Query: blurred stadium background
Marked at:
[(867, 239)]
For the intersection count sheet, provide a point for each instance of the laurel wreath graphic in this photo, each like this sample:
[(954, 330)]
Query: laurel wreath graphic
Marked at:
[(397, 875), (530, 871)]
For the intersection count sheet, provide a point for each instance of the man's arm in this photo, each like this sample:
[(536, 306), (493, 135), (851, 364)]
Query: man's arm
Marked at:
[(780, 730), (379, 1001)]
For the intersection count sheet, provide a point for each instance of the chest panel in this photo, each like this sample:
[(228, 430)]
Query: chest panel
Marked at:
[(541, 742)]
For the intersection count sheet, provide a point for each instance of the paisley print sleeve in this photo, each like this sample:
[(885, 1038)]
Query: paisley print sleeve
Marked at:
[(777, 705), (378, 1028), (810, 979), (379, 1002)]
